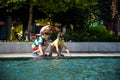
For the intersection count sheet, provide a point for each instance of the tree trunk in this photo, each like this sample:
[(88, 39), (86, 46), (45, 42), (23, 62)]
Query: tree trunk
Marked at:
[(30, 20)]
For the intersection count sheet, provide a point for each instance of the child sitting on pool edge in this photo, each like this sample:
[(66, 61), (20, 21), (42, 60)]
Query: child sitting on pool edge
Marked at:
[(58, 45), (39, 45)]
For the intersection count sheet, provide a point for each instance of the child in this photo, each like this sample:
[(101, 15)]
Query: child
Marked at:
[(58, 45), (39, 45), (47, 29)]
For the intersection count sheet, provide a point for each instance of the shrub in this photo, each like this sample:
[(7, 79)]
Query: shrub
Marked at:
[(96, 34)]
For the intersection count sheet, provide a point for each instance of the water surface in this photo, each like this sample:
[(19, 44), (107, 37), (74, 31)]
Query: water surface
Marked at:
[(60, 69)]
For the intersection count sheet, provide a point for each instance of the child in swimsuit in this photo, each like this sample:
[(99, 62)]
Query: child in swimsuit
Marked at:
[(58, 45), (39, 45), (47, 29)]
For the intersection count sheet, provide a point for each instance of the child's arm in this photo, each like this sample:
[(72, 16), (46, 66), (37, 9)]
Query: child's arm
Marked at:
[(57, 49), (67, 50)]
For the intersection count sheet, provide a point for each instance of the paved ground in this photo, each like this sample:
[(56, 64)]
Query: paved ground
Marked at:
[(28, 55)]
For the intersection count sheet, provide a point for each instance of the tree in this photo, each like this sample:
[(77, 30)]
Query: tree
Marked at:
[(51, 8)]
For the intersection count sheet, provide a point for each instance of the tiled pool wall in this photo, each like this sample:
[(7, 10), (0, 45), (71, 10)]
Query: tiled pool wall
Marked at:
[(25, 47)]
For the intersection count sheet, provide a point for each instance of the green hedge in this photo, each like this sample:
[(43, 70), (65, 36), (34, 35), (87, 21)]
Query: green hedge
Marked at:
[(93, 34)]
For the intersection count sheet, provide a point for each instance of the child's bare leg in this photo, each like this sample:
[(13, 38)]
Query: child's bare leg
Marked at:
[(60, 50), (51, 50), (46, 45), (37, 50), (43, 50)]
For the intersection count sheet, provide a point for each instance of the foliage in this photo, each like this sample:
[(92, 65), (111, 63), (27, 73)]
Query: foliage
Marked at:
[(54, 36), (66, 12), (11, 5), (93, 34), (50, 8)]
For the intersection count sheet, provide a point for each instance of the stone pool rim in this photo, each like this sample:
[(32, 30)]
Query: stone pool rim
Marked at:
[(73, 56)]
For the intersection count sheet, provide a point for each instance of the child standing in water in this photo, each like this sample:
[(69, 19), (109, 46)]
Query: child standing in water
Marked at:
[(39, 45), (58, 45)]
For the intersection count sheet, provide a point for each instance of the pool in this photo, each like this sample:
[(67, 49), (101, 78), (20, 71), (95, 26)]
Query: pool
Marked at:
[(60, 69)]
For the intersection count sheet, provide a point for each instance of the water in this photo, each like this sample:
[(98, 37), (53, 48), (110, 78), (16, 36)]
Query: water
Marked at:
[(60, 69)]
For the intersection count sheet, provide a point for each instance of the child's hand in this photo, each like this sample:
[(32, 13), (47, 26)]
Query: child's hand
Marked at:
[(69, 54)]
